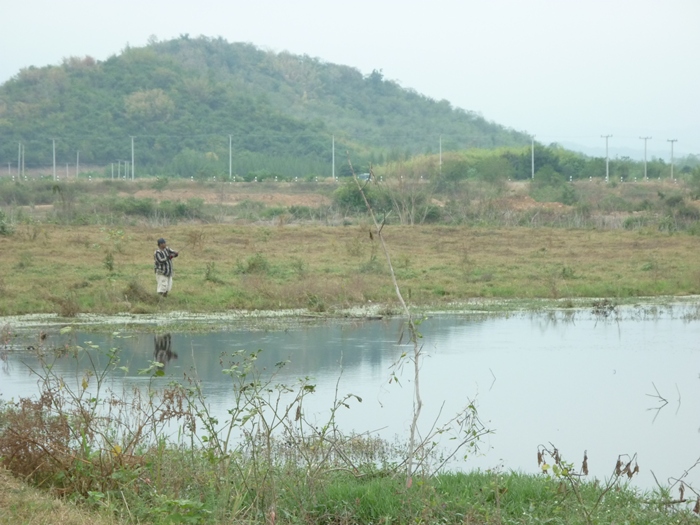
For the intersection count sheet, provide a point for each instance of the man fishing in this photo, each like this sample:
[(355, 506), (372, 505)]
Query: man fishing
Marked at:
[(164, 267)]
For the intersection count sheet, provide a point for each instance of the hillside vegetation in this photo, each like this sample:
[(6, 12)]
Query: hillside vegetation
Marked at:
[(202, 108), (185, 100)]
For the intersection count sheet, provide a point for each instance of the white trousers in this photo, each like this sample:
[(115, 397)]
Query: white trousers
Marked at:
[(164, 284)]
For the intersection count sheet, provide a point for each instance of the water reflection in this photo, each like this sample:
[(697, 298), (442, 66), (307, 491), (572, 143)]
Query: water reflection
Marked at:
[(163, 352)]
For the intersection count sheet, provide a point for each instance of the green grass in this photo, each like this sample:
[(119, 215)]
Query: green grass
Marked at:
[(252, 267), (181, 487)]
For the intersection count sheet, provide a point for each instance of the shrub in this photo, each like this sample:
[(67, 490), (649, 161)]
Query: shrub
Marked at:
[(636, 221), (301, 212), (551, 186), (67, 306), (349, 199), (173, 210), (210, 274), (668, 224), (272, 212), (160, 183), (250, 210), (674, 201), (109, 262), (5, 229), (256, 264), (131, 206), (687, 211), (432, 214), (24, 194)]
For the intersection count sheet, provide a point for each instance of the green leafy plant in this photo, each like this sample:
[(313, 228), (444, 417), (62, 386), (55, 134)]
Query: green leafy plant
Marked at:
[(210, 274), (257, 264), (109, 262), (5, 228)]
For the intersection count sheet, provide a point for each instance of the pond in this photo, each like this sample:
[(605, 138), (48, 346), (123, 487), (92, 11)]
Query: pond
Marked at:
[(608, 382)]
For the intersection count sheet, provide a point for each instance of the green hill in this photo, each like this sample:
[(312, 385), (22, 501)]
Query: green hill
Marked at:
[(186, 101)]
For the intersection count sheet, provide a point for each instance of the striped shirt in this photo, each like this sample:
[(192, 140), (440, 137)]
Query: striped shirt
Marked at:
[(163, 259)]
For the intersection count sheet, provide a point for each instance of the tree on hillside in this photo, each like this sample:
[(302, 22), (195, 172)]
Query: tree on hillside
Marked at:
[(149, 105)]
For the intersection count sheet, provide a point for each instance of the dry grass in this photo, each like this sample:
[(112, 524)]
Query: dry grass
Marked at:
[(20, 503), (293, 266)]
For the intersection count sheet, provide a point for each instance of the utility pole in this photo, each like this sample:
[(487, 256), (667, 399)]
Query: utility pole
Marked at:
[(333, 156), (645, 156), (54, 158), (19, 159), (440, 154), (672, 141), (230, 157), (532, 151), (607, 159), (77, 164), (132, 158)]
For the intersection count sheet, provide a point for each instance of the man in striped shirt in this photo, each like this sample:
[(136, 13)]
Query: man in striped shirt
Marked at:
[(164, 267)]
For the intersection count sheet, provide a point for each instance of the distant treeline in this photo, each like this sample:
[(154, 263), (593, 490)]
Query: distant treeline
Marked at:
[(518, 163)]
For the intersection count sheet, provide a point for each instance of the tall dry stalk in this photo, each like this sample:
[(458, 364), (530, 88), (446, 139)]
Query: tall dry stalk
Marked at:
[(414, 335)]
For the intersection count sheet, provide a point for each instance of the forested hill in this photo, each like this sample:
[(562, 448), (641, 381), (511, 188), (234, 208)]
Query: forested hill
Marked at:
[(191, 101)]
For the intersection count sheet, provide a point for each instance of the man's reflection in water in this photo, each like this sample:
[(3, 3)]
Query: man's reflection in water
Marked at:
[(163, 351)]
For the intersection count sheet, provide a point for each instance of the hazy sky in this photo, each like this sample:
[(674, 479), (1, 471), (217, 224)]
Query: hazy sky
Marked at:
[(565, 71)]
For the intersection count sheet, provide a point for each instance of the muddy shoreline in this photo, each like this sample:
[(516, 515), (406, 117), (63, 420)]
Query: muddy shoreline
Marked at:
[(688, 306)]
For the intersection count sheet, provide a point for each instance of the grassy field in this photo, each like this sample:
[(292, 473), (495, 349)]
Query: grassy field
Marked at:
[(70, 269)]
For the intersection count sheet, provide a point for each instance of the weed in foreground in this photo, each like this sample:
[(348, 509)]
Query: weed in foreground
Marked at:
[(160, 451), (590, 500)]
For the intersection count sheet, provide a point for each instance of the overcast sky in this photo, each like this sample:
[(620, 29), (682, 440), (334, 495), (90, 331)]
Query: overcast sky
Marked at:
[(566, 71)]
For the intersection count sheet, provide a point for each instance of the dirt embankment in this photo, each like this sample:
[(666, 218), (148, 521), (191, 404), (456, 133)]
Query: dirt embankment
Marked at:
[(235, 196), (517, 198)]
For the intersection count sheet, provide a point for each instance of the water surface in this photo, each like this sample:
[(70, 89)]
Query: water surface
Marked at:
[(575, 379)]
